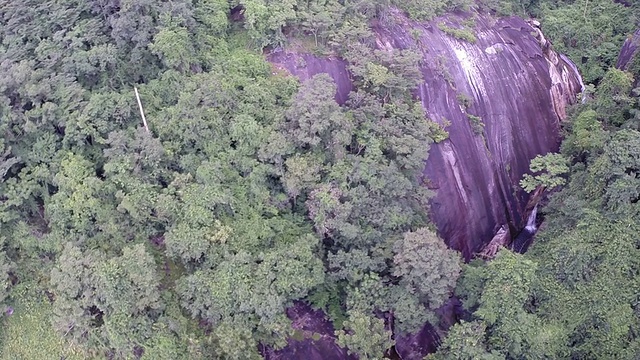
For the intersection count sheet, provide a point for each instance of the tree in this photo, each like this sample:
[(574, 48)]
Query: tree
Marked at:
[(584, 30), (163, 345), (213, 13), (589, 283), (612, 96), (321, 16), (353, 265), (465, 341), (6, 267), (375, 294), (71, 280), (508, 289), (587, 135), (365, 336), (409, 313), (254, 289), (614, 175), (234, 340), (173, 46), (508, 311), (550, 169), (426, 266), (112, 302), (316, 120), (128, 284)]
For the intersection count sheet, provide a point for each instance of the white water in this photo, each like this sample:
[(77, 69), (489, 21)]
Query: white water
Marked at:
[(531, 221), (575, 70)]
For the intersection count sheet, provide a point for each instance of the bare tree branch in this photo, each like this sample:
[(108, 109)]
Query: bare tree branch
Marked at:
[(144, 120)]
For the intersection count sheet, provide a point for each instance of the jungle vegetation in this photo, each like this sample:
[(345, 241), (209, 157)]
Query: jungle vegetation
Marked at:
[(247, 190)]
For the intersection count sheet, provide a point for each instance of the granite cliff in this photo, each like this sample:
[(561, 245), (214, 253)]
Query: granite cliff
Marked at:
[(517, 89), (628, 51)]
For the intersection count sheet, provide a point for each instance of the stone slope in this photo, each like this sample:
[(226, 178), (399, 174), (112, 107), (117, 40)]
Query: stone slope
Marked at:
[(519, 88)]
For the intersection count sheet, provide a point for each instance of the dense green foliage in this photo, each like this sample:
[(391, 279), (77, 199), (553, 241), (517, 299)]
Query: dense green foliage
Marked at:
[(589, 32), (549, 169), (251, 191)]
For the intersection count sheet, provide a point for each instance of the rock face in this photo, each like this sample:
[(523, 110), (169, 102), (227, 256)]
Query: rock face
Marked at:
[(304, 66), (628, 51), (314, 339), (519, 89)]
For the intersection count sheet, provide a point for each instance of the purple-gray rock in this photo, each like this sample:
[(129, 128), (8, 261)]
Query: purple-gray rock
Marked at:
[(628, 50), (417, 346), (520, 88), (304, 66), (314, 339)]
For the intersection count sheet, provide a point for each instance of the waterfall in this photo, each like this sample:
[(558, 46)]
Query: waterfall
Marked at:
[(575, 70), (531, 221), (522, 242)]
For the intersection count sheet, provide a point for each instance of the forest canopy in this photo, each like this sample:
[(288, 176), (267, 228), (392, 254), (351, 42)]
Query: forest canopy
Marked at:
[(250, 191)]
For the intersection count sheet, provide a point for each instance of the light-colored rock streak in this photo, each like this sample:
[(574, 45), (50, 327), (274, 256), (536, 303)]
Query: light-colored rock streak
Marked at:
[(470, 70), (577, 73), (449, 156)]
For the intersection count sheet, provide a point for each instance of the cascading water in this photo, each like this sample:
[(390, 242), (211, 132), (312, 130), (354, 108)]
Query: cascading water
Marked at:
[(575, 70), (523, 240), (531, 221)]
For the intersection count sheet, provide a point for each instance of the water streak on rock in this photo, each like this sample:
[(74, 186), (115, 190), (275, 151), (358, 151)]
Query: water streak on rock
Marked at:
[(573, 66), (531, 221)]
